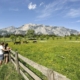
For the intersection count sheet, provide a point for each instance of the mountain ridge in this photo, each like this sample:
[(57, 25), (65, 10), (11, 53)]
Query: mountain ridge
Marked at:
[(39, 29)]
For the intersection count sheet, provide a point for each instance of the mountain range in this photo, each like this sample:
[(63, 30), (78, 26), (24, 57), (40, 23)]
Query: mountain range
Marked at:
[(39, 29)]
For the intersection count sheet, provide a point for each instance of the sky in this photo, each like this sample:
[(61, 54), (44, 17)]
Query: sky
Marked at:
[(63, 13)]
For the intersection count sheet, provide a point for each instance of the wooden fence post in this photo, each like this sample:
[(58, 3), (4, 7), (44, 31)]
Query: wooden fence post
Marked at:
[(17, 62), (50, 75), (9, 56)]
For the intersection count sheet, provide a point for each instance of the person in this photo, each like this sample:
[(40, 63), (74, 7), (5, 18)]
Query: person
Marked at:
[(6, 53), (1, 52)]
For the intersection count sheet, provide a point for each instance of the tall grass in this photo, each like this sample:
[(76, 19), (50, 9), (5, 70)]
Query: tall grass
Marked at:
[(8, 72)]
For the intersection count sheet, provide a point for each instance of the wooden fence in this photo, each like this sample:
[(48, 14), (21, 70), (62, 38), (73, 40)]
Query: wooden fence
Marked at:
[(50, 74)]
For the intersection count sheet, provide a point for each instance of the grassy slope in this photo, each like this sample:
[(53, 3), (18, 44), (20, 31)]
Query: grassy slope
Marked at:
[(60, 55), (8, 72)]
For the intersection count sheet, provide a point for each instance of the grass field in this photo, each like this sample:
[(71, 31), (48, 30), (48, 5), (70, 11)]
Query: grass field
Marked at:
[(8, 72), (60, 55)]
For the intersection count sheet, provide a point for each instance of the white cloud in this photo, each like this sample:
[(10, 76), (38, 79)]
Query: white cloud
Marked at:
[(73, 13), (32, 6), (50, 8), (59, 7), (41, 3)]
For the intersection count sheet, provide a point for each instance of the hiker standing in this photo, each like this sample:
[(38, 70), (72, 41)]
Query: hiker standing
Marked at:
[(1, 52), (6, 53)]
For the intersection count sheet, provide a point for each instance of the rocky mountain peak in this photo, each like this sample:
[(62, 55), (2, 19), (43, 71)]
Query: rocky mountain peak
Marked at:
[(39, 29)]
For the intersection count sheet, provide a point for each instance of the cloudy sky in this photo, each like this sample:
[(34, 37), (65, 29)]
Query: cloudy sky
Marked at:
[(64, 13)]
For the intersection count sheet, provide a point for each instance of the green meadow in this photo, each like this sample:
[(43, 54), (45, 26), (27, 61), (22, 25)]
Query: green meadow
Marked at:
[(8, 72), (61, 55)]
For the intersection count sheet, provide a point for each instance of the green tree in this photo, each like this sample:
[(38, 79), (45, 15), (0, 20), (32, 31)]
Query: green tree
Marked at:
[(37, 37), (20, 38), (70, 37), (47, 37), (42, 37), (12, 37), (31, 34), (25, 37), (53, 37), (76, 37)]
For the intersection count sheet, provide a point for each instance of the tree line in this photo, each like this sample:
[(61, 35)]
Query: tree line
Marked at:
[(30, 35)]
